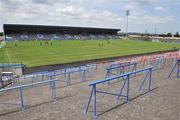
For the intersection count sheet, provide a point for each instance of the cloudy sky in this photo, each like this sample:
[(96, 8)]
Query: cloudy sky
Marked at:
[(145, 15)]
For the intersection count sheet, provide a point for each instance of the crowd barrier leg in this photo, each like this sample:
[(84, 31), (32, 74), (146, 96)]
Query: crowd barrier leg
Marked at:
[(50, 83), (21, 99), (120, 93), (79, 68), (84, 75), (53, 88), (134, 69), (149, 74), (178, 70), (65, 72), (150, 79), (42, 77), (119, 72), (93, 93), (159, 63), (69, 78), (89, 100), (127, 95), (95, 114), (174, 66), (107, 74), (142, 84), (96, 67), (32, 80), (174, 61)]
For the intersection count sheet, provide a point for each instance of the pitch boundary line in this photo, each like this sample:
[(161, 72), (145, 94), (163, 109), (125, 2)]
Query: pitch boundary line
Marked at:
[(9, 59)]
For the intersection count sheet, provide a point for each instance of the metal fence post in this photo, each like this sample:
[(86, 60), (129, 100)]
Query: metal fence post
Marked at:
[(69, 78), (127, 88), (53, 88), (95, 114), (178, 68), (84, 75), (22, 101), (150, 74)]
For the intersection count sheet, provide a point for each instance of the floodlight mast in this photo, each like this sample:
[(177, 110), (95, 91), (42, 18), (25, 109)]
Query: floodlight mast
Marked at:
[(127, 14), (155, 30)]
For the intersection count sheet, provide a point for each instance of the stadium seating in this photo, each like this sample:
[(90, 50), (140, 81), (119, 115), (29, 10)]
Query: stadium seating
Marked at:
[(58, 36), (20, 32)]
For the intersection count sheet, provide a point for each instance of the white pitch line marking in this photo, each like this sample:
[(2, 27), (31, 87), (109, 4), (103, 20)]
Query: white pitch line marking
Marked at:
[(8, 56)]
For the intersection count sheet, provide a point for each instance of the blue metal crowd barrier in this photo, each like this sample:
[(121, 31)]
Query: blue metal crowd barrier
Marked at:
[(53, 74), (68, 73), (177, 67), (51, 81), (121, 68), (118, 64), (157, 63), (21, 88), (126, 82), (32, 76), (43, 74)]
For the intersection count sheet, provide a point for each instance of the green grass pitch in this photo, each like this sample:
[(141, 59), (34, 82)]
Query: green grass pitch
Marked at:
[(56, 52)]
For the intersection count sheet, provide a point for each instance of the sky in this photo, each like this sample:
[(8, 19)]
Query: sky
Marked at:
[(162, 16)]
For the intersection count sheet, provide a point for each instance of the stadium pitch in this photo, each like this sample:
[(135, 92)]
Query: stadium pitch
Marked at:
[(38, 53)]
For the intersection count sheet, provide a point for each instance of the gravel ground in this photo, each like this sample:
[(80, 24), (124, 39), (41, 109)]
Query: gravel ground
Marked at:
[(162, 103)]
